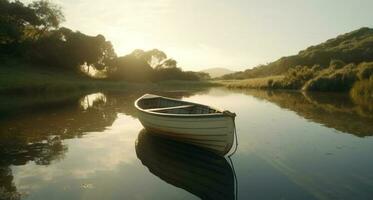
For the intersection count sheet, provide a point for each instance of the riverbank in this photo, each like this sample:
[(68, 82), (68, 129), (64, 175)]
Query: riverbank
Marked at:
[(360, 90), (338, 77), (19, 78)]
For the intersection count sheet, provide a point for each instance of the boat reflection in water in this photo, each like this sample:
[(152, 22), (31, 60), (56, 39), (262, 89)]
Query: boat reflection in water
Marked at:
[(189, 167)]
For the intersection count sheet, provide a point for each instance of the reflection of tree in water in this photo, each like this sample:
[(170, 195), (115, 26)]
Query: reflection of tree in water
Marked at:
[(64, 120), (17, 151), (36, 134), (73, 118), (336, 111), (7, 189)]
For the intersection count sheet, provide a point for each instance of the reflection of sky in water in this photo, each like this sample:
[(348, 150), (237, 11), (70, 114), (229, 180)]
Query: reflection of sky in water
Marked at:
[(279, 151), (102, 165)]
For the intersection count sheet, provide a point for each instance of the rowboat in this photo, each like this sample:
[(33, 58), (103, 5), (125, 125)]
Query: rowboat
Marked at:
[(188, 122), (192, 168)]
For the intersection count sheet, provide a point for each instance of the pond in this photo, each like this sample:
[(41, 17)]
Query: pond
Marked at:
[(291, 146)]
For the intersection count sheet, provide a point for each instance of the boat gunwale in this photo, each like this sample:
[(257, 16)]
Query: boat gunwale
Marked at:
[(209, 115)]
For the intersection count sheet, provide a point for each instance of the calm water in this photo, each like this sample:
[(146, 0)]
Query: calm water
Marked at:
[(291, 146)]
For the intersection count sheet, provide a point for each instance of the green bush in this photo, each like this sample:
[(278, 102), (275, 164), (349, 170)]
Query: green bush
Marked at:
[(337, 77), (296, 77), (336, 64), (270, 83), (333, 80), (362, 93), (365, 70)]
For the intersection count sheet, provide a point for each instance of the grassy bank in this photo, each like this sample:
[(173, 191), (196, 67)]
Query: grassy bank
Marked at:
[(338, 77), (16, 77)]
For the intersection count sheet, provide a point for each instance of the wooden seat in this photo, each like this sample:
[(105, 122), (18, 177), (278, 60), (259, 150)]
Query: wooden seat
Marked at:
[(169, 108)]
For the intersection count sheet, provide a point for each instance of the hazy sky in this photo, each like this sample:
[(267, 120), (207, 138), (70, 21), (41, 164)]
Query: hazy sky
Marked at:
[(236, 34)]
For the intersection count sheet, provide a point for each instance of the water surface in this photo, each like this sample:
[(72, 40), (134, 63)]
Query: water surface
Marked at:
[(291, 146)]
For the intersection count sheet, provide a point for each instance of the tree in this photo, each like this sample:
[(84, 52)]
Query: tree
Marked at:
[(153, 57), (130, 68), (168, 63), (70, 50), (50, 15), (136, 66), (14, 17)]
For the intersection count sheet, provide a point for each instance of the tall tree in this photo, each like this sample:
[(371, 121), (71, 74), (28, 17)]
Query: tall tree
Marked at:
[(14, 17), (168, 63), (70, 50), (49, 15)]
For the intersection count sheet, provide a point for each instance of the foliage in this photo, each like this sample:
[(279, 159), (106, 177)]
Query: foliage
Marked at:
[(49, 15), (31, 33), (336, 77), (334, 65), (20, 22), (353, 47), (68, 50), (14, 18), (19, 77), (150, 65), (365, 70), (296, 77), (132, 67), (333, 80), (362, 93)]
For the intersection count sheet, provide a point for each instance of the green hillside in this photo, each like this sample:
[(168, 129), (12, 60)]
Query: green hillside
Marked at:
[(353, 47)]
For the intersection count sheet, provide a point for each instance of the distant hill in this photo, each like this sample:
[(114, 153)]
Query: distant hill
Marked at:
[(217, 71), (353, 47)]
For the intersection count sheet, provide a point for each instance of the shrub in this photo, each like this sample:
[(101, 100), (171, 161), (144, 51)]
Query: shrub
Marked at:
[(270, 83), (365, 70), (336, 64), (362, 93), (333, 80), (297, 77)]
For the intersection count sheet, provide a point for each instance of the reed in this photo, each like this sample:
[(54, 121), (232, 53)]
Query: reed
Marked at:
[(252, 83)]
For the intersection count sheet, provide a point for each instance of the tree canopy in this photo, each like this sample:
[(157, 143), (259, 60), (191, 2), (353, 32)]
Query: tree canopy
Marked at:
[(66, 49), (32, 33), (152, 65), (19, 22)]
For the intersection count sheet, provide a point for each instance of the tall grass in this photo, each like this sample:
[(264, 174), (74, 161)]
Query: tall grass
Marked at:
[(253, 83)]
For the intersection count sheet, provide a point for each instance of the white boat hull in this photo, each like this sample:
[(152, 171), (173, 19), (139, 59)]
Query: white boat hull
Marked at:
[(215, 133)]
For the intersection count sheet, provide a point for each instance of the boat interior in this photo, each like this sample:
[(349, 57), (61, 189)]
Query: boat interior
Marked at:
[(163, 105)]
